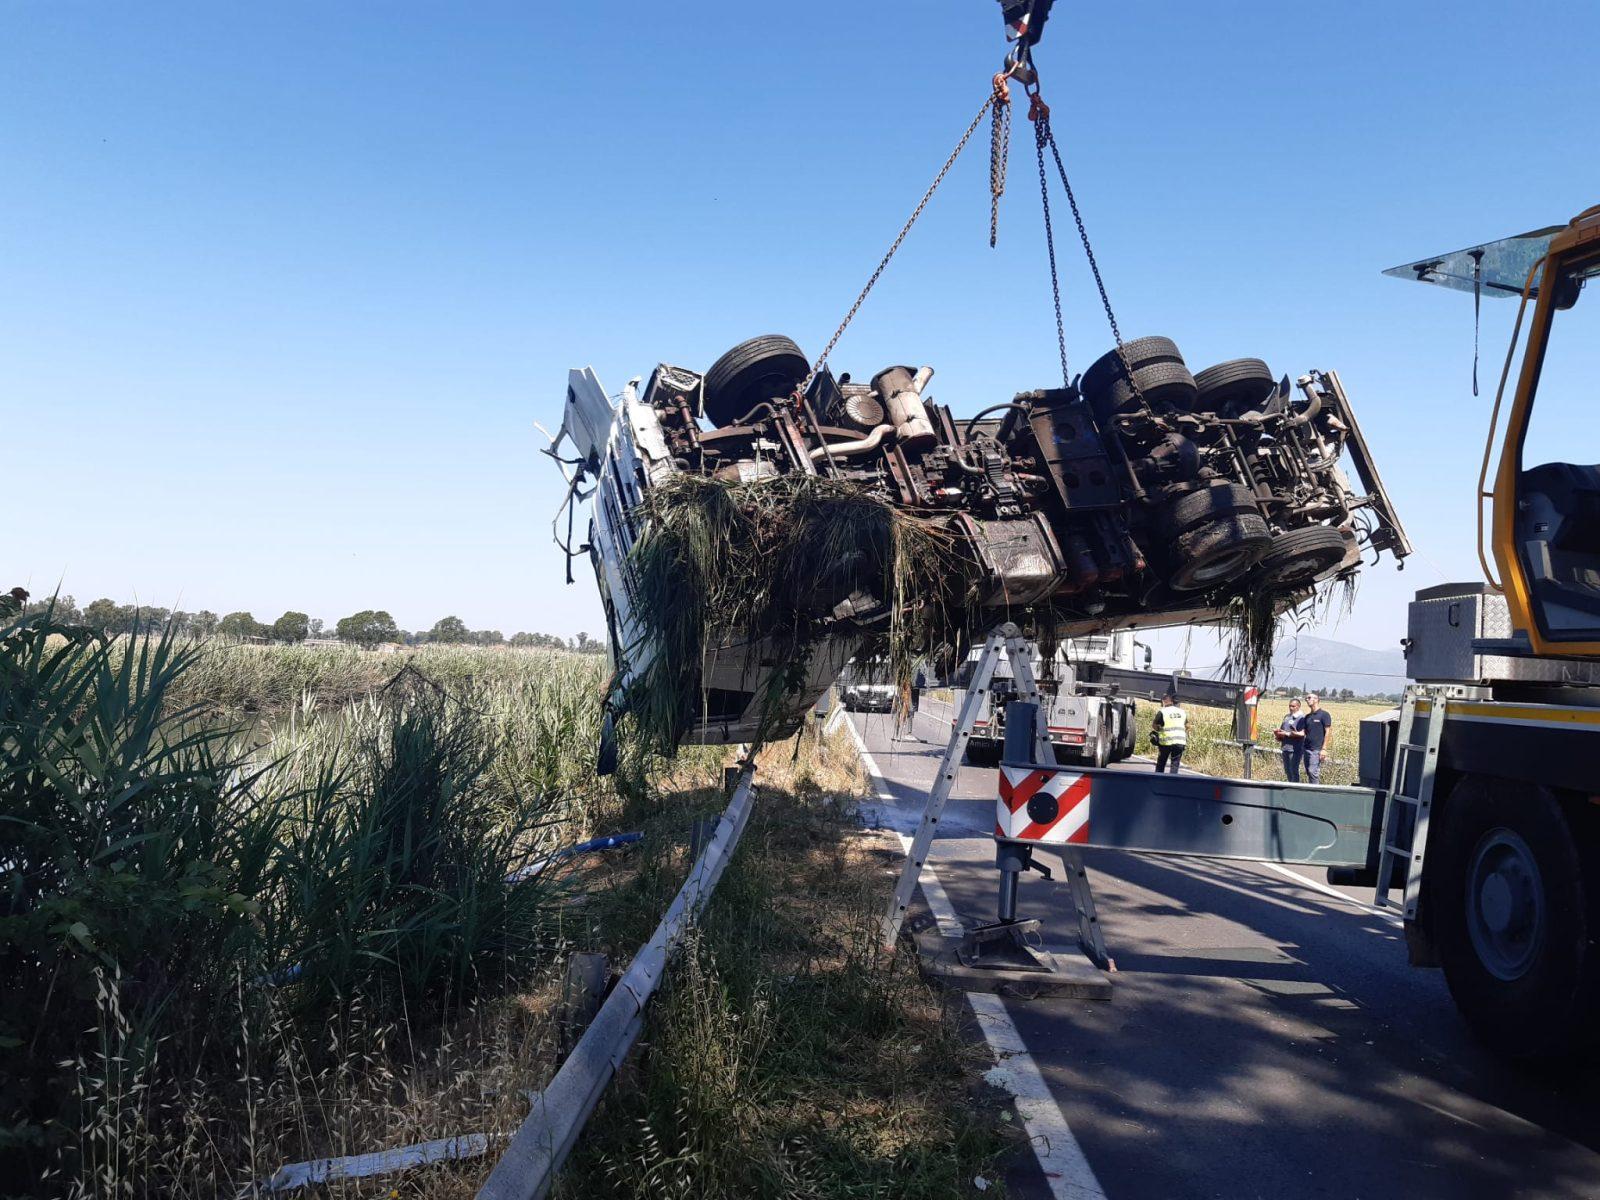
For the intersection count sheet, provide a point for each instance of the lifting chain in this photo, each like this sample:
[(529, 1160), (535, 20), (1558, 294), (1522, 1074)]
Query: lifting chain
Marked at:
[(966, 137), (1043, 135), (999, 149), (1039, 114)]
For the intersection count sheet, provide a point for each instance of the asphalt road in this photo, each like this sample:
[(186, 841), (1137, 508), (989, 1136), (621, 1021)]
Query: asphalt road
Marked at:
[(1265, 1038)]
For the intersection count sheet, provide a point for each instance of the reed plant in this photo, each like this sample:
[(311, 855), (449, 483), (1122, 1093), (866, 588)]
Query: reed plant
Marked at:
[(174, 881)]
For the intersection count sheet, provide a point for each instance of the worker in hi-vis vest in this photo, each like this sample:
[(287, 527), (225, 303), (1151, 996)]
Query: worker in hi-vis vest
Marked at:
[(1171, 733)]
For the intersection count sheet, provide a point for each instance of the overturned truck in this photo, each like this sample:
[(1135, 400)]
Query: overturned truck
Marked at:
[(1143, 495)]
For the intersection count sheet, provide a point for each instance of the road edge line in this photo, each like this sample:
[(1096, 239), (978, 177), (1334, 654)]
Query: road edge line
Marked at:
[(1066, 1168), (1061, 1159)]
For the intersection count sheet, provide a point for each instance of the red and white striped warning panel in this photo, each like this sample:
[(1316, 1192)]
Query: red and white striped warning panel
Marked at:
[(1041, 805)]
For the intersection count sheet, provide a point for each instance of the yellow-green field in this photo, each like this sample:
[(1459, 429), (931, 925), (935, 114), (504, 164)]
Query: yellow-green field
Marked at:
[(1211, 734)]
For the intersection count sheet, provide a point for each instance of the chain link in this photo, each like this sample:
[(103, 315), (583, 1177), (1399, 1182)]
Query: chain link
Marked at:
[(966, 137), (1044, 135), (999, 151), (1041, 130)]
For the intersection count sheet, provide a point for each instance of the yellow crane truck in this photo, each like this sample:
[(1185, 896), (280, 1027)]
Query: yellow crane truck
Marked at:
[(1490, 839)]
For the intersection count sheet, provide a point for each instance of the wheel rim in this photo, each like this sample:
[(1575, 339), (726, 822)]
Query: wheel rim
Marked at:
[(1505, 904), (1223, 566)]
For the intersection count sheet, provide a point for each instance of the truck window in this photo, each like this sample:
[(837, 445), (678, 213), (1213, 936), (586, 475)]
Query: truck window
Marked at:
[(1557, 522)]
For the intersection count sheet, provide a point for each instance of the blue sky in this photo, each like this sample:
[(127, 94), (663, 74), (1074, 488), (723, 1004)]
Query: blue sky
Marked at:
[(284, 287)]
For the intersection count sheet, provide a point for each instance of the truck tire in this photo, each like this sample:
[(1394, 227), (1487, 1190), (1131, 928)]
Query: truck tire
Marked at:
[(1163, 385), (1210, 555), (1127, 736), (1514, 915), (1299, 557), (760, 369), (1102, 746), (1141, 352), (1204, 505), (983, 752), (1233, 387)]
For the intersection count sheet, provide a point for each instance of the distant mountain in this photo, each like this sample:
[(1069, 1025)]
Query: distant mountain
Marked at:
[(1318, 664)]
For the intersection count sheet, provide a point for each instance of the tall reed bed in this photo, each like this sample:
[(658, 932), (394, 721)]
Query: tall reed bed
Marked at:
[(216, 939)]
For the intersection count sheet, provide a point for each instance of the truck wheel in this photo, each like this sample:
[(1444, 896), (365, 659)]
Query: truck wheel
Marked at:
[(983, 753), (1207, 504), (764, 368), (1102, 747), (1141, 352), (1126, 737), (1299, 557), (1514, 919), (1161, 384), (1213, 554), (1233, 387)]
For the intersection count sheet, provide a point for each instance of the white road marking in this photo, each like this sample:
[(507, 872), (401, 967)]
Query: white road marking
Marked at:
[(944, 913), (1065, 1168), (1061, 1159), (1370, 909), (873, 774)]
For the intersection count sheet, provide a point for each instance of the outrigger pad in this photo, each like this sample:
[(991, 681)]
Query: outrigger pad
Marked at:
[(1009, 967)]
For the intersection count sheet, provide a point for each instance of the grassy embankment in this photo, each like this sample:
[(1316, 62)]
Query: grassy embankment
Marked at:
[(258, 913)]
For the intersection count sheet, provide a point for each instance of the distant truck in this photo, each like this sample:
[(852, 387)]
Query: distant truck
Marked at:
[(1090, 720)]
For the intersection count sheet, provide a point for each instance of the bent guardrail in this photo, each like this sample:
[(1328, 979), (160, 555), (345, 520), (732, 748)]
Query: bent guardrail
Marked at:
[(541, 1145)]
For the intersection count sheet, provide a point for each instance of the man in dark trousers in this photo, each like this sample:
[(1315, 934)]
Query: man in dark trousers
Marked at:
[(1291, 736), (1172, 734), (1315, 737)]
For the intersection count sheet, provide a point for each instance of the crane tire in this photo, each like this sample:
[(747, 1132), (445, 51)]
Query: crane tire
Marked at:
[(763, 368), (1512, 893)]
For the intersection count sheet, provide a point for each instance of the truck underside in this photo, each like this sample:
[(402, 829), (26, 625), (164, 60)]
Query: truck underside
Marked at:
[(1143, 495)]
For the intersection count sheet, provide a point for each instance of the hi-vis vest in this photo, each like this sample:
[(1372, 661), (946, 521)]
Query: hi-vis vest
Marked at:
[(1172, 731)]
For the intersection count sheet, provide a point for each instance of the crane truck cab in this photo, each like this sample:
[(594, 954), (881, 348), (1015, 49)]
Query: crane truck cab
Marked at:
[(1492, 833)]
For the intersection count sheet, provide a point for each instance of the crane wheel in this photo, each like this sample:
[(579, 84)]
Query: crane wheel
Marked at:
[(1515, 915), (764, 368), (1216, 553), (1234, 387), (1300, 557)]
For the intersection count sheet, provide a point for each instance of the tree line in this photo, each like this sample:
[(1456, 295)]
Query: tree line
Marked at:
[(369, 627)]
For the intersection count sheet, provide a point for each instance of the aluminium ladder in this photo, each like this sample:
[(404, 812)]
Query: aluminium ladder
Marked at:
[(1400, 850), (1020, 656)]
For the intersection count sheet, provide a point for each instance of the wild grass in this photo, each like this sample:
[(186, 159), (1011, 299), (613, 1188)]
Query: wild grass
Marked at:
[(789, 1055), (175, 885), (765, 564), (225, 946)]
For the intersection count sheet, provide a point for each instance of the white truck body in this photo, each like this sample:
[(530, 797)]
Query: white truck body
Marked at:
[(1085, 725)]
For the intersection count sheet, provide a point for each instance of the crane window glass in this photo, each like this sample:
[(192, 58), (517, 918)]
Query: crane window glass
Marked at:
[(1558, 494)]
